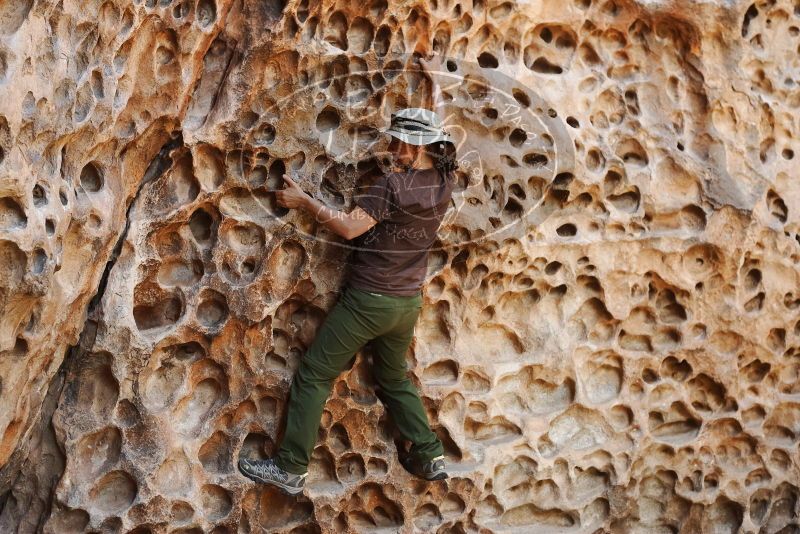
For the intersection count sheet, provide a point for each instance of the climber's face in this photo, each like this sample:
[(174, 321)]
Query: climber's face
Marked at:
[(403, 153)]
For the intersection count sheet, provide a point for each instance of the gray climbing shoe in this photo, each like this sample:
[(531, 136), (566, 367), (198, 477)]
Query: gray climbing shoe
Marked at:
[(267, 472), (433, 469)]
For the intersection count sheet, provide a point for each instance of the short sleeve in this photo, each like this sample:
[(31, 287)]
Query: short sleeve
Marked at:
[(378, 199)]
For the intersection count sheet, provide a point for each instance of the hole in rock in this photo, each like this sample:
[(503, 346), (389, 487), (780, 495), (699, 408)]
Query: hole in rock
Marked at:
[(208, 167), (156, 308), (518, 137), (97, 452), (265, 135), (327, 120), (187, 352), (162, 385), (331, 192), (427, 516), (543, 66), (257, 446), (443, 372), (567, 230), (268, 406), (39, 196), (97, 85), (194, 410), (351, 468), (91, 178), (528, 516), (534, 159), (127, 414), (180, 273), (20, 348), (97, 388), (206, 13), (39, 261), (12, 216), (179, 186), (627, 202), (275, 176), (376, 466), (257, 176), (213, 309), (249, 119), (521, 97), (114, 493), (321, 467), (164, 55), (338, 440), (287, 263), (248, 266), (749, 15), (487, 61), (335, 30), (517, 191), (513, 209), (215, 501), (181, 511), (245, 238), (174, 475), (201, 224), (359, 36), (382, 41)]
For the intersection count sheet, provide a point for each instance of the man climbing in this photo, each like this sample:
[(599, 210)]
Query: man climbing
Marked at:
[(395, 221)]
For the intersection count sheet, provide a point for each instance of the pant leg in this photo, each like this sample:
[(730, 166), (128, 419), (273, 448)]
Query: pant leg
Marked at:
[(345, 330), (401, 396)]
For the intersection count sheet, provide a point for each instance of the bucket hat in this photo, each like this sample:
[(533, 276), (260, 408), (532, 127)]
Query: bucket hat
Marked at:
[(417, 126)]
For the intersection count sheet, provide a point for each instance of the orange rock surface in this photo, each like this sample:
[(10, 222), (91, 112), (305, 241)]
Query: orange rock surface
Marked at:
[(610, 339)]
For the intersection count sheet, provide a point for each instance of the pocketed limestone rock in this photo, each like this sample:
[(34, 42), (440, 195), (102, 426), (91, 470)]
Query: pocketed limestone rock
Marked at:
[(610, 336)]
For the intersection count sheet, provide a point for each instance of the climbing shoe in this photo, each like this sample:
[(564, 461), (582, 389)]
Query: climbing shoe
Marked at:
[(433, 469), (268, 472)]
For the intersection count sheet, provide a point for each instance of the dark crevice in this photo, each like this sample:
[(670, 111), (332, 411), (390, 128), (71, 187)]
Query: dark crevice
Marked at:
[(233, 59), (157, 167), (20, 478), (18, 472), (218, 61)]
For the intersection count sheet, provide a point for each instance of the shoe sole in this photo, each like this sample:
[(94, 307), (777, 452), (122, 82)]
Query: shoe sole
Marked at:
[(287, 490)]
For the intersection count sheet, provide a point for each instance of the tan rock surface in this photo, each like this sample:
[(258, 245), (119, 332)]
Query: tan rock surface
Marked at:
[(610, 340)]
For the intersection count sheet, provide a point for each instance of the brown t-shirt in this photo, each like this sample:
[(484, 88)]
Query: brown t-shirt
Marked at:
[(392, 256)]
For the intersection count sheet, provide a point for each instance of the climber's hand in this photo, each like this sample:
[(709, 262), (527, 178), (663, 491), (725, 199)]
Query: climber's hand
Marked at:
[(291, 196)]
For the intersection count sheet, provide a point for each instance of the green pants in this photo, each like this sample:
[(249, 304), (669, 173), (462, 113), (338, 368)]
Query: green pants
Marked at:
[(358, 317)]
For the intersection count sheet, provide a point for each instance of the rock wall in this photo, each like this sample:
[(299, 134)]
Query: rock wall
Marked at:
[(610, 340)]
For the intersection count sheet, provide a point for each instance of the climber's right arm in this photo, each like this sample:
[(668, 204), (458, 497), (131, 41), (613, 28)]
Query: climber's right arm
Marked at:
[(347, 225)]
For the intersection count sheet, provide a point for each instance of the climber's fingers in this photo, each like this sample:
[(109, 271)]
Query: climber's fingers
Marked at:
[(289, 181), (292, 196)]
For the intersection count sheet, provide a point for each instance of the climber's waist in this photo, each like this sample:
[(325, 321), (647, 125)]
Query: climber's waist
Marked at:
[(375, 298)]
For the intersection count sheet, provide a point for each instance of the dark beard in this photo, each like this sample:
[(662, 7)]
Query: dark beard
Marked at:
[(390, 164)]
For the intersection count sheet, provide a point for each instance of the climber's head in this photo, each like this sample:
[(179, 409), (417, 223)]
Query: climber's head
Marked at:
[(418, 138)]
